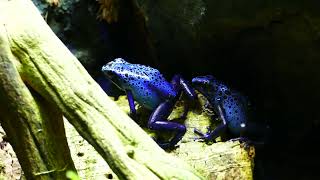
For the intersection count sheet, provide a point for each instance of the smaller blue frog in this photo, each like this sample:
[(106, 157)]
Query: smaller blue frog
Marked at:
[(231, 107), (151, 90)]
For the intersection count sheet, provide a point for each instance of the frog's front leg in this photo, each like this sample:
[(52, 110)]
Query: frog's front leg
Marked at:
[(158, 121), (133, 111), (179, 84), (211, 135)]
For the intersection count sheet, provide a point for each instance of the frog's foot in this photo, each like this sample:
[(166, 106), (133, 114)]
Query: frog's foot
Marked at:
[(204, 137), (241, 139), (246, 142), (169, 126), (200, 133), (197, 131)]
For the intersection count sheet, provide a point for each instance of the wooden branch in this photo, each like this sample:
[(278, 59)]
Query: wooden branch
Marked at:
[(53, 72)]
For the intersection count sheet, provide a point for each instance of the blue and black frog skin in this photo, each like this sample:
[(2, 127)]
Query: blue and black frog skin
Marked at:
[(151, 90), (231, 107)]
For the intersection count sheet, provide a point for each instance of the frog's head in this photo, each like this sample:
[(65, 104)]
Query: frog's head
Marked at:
[(116, 71), (205, 84)]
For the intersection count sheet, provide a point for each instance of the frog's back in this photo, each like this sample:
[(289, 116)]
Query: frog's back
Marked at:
[(234, 106), (148, 86), (235, 112)]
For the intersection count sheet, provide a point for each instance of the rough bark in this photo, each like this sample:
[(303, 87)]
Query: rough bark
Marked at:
[(48, 67)]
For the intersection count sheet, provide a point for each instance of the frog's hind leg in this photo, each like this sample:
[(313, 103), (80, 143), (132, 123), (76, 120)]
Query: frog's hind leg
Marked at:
[(158, 121)]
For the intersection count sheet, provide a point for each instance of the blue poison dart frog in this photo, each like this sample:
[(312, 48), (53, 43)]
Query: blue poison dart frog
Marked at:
[(150, 89), (231, 107)]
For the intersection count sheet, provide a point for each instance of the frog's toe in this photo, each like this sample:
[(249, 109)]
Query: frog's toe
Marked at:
[(197, 131), (199, 139), (241, 139), (203, 137), (200, 133)]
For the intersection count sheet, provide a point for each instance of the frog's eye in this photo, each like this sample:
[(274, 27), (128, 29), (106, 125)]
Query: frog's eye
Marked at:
[(120, 61)]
